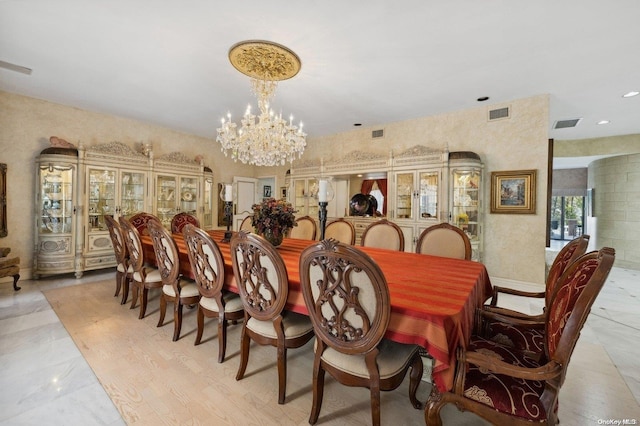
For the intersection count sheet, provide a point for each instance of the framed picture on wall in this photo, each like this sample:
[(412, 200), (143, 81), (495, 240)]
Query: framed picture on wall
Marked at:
[(513, 192), (266, 191)]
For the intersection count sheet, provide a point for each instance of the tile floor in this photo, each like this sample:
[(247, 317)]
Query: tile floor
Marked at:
[(45, 380)]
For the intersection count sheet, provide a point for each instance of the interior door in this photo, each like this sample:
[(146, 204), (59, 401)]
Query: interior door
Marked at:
[(246, 190)]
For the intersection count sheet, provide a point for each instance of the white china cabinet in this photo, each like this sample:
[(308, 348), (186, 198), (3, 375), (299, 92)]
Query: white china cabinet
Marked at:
[(423, 187), (56, 220), (465, 199), (77, 188)]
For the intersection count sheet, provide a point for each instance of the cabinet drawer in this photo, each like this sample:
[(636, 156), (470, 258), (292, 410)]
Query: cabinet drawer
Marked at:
[(99, 243)]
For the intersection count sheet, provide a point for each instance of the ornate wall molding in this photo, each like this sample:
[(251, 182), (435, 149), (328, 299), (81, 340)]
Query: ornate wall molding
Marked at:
[(115, 148)]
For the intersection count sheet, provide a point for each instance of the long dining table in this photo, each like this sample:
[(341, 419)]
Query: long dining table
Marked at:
[(433, 299)]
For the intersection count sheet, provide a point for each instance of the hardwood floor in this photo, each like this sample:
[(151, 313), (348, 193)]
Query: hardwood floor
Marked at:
[(132, 373)]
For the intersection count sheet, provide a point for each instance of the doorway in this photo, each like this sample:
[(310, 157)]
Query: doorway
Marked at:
[(567, 217)]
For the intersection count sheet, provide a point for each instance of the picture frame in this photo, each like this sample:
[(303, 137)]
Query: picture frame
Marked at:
[(513, 192), (266, 191), (3, 200), (283, 192)]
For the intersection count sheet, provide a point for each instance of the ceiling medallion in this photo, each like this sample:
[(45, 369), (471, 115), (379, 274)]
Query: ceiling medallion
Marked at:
[(270, 140)]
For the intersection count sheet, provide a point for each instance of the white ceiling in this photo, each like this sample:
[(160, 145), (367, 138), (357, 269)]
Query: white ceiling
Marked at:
[(373, 62)]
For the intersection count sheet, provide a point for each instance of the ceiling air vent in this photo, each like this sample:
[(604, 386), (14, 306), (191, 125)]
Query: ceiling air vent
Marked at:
[(563, 124), (498, 114), (376, 134)]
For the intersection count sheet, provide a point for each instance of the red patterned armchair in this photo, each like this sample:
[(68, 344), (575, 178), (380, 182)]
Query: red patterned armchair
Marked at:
[(506, 386), (180, 220)]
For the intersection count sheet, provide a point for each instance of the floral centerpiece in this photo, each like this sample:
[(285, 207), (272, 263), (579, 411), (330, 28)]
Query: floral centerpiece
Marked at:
[(272, 219)]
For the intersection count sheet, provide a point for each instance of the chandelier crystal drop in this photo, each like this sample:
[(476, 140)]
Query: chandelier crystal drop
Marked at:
[(266, 139)]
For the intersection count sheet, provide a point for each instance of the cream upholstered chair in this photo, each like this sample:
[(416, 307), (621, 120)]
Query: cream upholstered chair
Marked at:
[(174, 288), (207, 266), (341, 230), (305, 230), (383, 234), (444, 240), (506, 386), (246, 225), (124, 271), (261, 277), (348, 301), (144, 277)]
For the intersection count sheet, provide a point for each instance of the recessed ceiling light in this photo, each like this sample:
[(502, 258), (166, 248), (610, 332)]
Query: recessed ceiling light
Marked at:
[(631, 94), (482, 98), (357, 124), (604, 122)]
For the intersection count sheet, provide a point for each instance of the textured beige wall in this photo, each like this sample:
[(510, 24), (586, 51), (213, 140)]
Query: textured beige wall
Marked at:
[(625, 144), (25, 127), (513, 243), (616, 220)]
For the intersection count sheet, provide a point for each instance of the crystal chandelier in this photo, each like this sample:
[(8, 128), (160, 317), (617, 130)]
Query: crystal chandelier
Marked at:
[(271, 140)]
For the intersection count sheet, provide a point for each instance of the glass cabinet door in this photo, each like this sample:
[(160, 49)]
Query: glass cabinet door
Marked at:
[(189, 195), (208, 203), (56, 195), (465, 208), (131, 193), (166, 203), (312, 200), (102, 197), (299, 191), (404, 195), (428, 194)]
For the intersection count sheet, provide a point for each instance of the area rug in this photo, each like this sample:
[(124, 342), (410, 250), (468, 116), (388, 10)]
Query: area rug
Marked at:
[(153, 380)]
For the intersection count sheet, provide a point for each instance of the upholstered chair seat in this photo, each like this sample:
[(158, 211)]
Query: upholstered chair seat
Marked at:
[(293, 324), (393, 359), (232, 303)]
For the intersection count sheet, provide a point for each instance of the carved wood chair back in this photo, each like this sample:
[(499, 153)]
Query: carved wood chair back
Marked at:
[(180, 220)]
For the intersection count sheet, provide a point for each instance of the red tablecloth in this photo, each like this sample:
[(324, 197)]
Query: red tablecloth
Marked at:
[(433, 299)]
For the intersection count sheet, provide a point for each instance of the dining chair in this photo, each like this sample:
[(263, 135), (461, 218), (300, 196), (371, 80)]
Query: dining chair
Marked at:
[(180, 220), (144, 277), (348, 301), (124, 271), (520, 330), (570, 252), (246, 225), (506, 386), (305, 229), (261, 277), (140, 220), (383, 234), (207, 266), (444, 240), (175, 288), (341, 230)]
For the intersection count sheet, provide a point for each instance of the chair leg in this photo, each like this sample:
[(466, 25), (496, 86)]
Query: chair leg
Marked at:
[(200, 325), (318, 390), (375, 403), (119, 276), (163, 309), (16, 277), (125, 289), (433, 406), (282, 373), (222, 337), (135, 289), (177, 318), (144, 296), (244, 354), (414, 381)]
